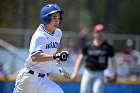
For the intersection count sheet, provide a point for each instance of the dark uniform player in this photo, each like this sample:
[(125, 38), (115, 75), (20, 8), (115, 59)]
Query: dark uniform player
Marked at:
[(96, 54)]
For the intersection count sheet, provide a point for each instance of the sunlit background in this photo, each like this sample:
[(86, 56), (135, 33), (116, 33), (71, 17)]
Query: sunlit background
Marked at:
[(20, 18)]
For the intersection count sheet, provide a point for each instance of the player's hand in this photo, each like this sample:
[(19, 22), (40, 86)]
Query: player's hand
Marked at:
[(73, 77), (114, 78), (111, 79), (58, 60), (64, 73), (62, 56)]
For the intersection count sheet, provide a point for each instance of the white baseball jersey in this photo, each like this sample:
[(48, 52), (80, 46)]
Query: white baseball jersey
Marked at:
[(46, 42)]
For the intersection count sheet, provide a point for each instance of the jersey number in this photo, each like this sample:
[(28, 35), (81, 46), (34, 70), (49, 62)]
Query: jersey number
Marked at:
[(102, 59)]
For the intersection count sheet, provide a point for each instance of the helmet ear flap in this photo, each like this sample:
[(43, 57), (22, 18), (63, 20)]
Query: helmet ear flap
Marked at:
[(46, 19)]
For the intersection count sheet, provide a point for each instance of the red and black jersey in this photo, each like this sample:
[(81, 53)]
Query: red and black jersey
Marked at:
[(97, 56)]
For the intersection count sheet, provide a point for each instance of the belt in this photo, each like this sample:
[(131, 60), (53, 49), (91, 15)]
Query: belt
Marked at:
[(39, 74)]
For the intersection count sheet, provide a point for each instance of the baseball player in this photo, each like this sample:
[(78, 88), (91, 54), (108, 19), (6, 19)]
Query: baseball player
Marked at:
[(96, 54), (44, 49)]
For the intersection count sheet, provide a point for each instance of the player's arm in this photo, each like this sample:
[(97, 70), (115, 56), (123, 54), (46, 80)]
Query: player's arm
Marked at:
[(41, 57), (79, 62), (77, 66), (37, 54), (111, 53), (114, 65)]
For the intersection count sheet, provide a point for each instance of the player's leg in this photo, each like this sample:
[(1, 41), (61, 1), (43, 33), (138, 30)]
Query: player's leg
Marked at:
[(25, 83), (86, 83), (48, 86), (98, 86)]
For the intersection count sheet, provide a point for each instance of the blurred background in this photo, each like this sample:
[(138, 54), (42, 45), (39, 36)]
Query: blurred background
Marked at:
[(20, 18)]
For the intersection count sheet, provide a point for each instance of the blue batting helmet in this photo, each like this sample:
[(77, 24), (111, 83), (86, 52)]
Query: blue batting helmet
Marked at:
[(47, 10)]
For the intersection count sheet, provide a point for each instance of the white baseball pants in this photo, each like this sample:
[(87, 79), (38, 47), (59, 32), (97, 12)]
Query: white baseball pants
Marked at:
[(28, 83), (92, 81)]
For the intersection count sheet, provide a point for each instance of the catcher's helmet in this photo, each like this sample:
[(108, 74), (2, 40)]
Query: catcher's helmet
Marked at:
[(47, 10)]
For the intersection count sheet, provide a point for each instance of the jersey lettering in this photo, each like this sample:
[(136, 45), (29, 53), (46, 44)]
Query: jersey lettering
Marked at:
[(52, 45), (97, 56)]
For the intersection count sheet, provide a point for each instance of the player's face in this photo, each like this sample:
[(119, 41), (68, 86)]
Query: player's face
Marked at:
[(55, 20), (98, 35)]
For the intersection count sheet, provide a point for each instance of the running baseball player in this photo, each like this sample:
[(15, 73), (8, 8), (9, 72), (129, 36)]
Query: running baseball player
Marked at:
[(44, 49), (96, 54)]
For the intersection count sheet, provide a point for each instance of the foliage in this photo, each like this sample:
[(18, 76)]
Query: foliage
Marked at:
[(76, 12)]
